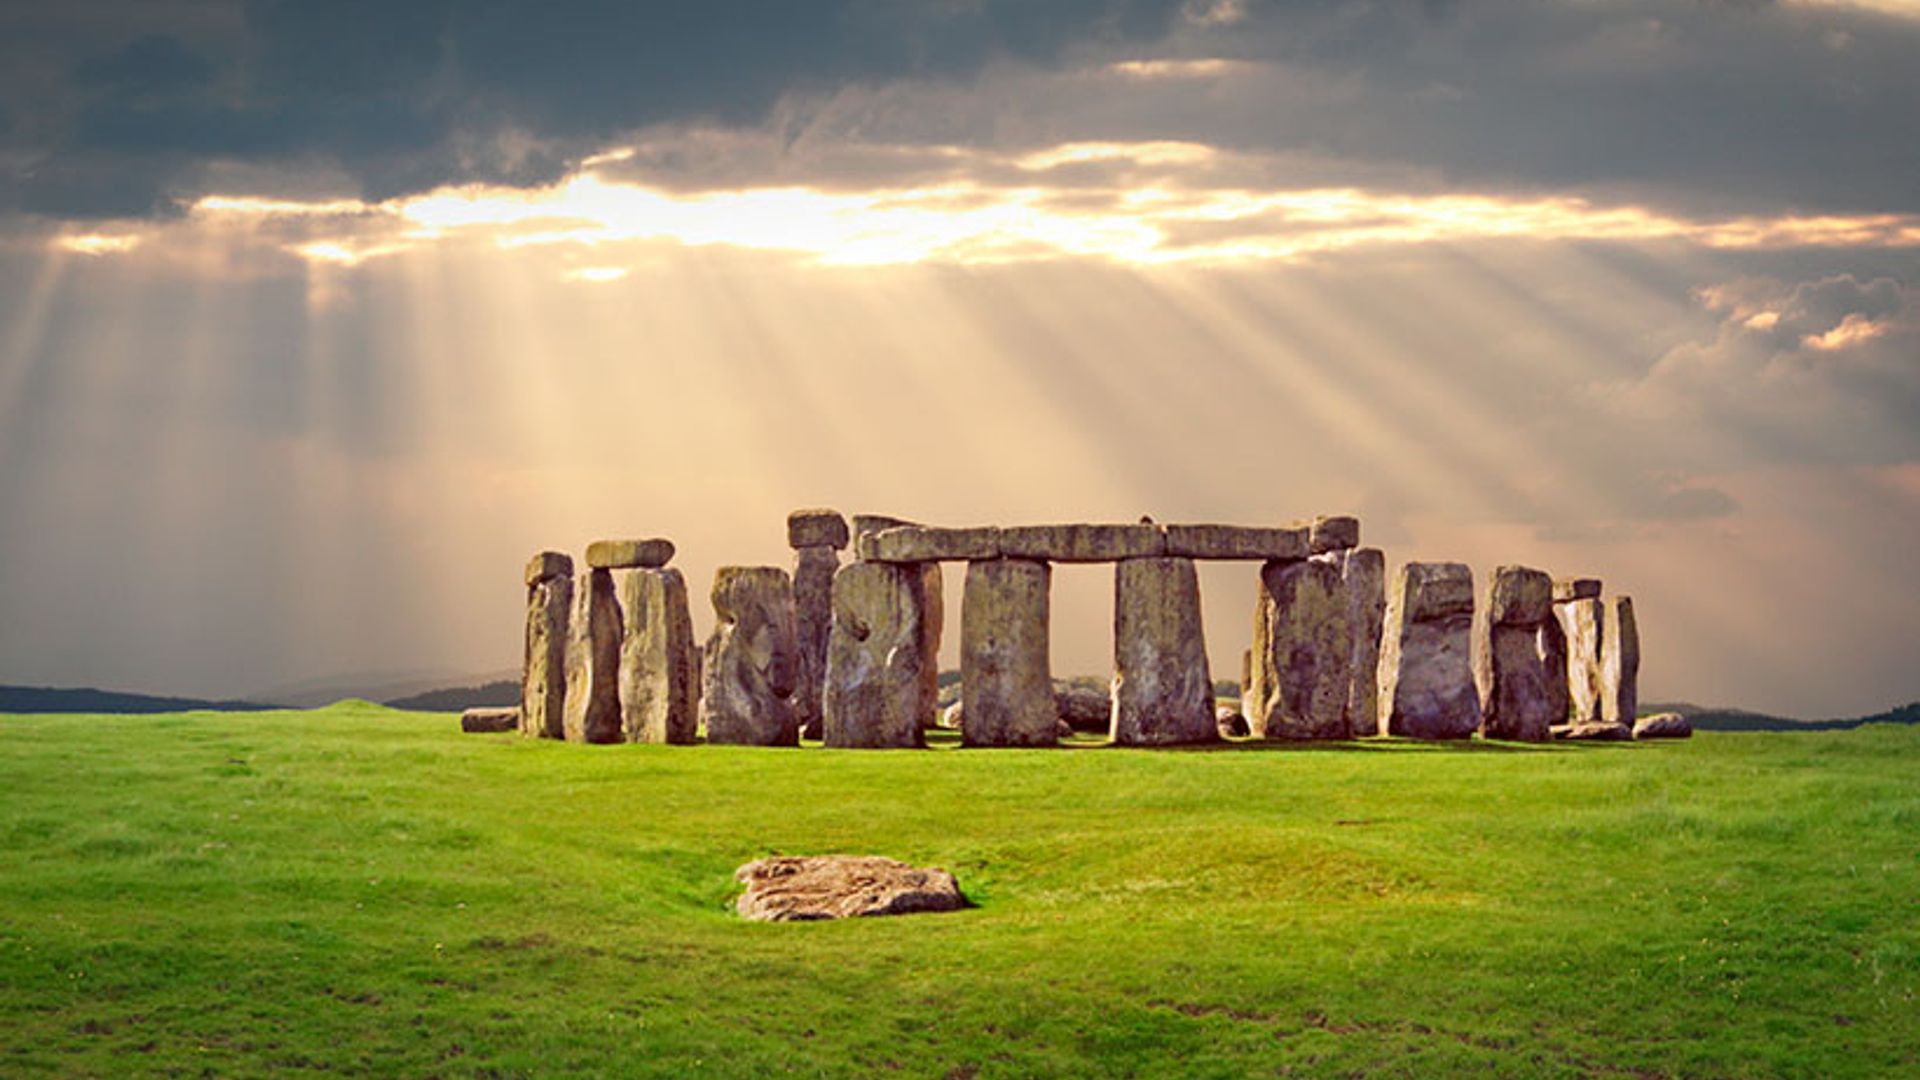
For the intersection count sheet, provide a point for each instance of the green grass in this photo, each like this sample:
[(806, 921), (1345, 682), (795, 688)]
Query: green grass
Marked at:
[(370, 892)]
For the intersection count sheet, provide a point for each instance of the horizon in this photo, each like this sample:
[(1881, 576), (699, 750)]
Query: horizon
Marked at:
[(316, 321)]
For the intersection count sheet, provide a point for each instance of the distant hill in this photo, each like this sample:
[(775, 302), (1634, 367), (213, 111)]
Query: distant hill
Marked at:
[(47, 699), (1716, 719), (457, 698), (375, 686)]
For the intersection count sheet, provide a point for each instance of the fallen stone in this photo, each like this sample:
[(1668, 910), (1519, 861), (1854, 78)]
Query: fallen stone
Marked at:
[(1229, 723), (752, 659), (627, 554), (813, 570), (593, 660), (1585, 588), (1519, 596), (1582, 625), (1082, 543), (1004, 676), (1302, 655), (1594, 732), (1666, 725), (490, 721), (816, 528), (926, 543), (792, 888), (1236, 542), (1162, 689), (548, 565), (1426, 672), (1619, 661), (1333, 533), (952, 716), (875, 690), (543, 671), (1084, 706), (659, 669)]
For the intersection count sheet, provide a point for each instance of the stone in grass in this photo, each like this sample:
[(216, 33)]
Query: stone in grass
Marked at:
[(799, 888), (488, 721), (1598, 731), (1666, 725)]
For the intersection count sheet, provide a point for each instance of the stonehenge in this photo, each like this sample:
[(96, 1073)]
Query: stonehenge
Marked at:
[(847, 652)]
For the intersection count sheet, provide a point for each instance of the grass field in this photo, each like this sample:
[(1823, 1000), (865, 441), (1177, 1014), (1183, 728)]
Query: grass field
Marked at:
[(371, 893)]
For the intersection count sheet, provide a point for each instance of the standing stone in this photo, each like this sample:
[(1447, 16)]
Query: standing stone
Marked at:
[(543, 673), (1514, 657), (1426, 671), (1619, 662), (1162, 689), (1004, 654), (1363, 578), (1583, 625), (593, 660), (875, 685), (813, 570), (752, 659), (1303, 652), (932, 598), (659, 665)]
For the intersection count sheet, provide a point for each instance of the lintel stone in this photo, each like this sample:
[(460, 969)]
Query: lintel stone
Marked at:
[(548, 565), (1237, 542), (816, 528), (1334, 533), (1568, 589), (629, 554), (925, 543), (1083, 543)]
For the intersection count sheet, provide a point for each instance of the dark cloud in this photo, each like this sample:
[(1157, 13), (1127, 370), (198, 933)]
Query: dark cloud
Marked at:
[(403, 97)]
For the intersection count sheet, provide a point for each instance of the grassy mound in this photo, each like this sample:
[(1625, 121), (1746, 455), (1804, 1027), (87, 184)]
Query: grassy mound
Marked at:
[(372, 892)]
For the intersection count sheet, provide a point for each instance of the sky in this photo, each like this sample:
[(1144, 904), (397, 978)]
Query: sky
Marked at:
[(317, 319)]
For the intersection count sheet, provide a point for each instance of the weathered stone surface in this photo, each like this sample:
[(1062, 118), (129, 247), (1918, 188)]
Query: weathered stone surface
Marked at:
[(1583, 627), (1085, 707), (1666, 725), (593, 660), (932, 598), (816, 528), (1515, 657), (1434, 590), (1599, 731), (1236, 542), (1363, 577), (1553, 654), (1004, 658), (489, 721), (1303, 653), (752, 659), (927, 543), (543, 671), (873, 523), (1082, 543), (1426, 671), (627, 554), (1162, 689), (547, 565), (659, 665), (1619, 661), (1333, 533), (813, 570), (875, 685), (1511, 668), (1229, 723), (792, 888), (1585, 588), (1518, 596)]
